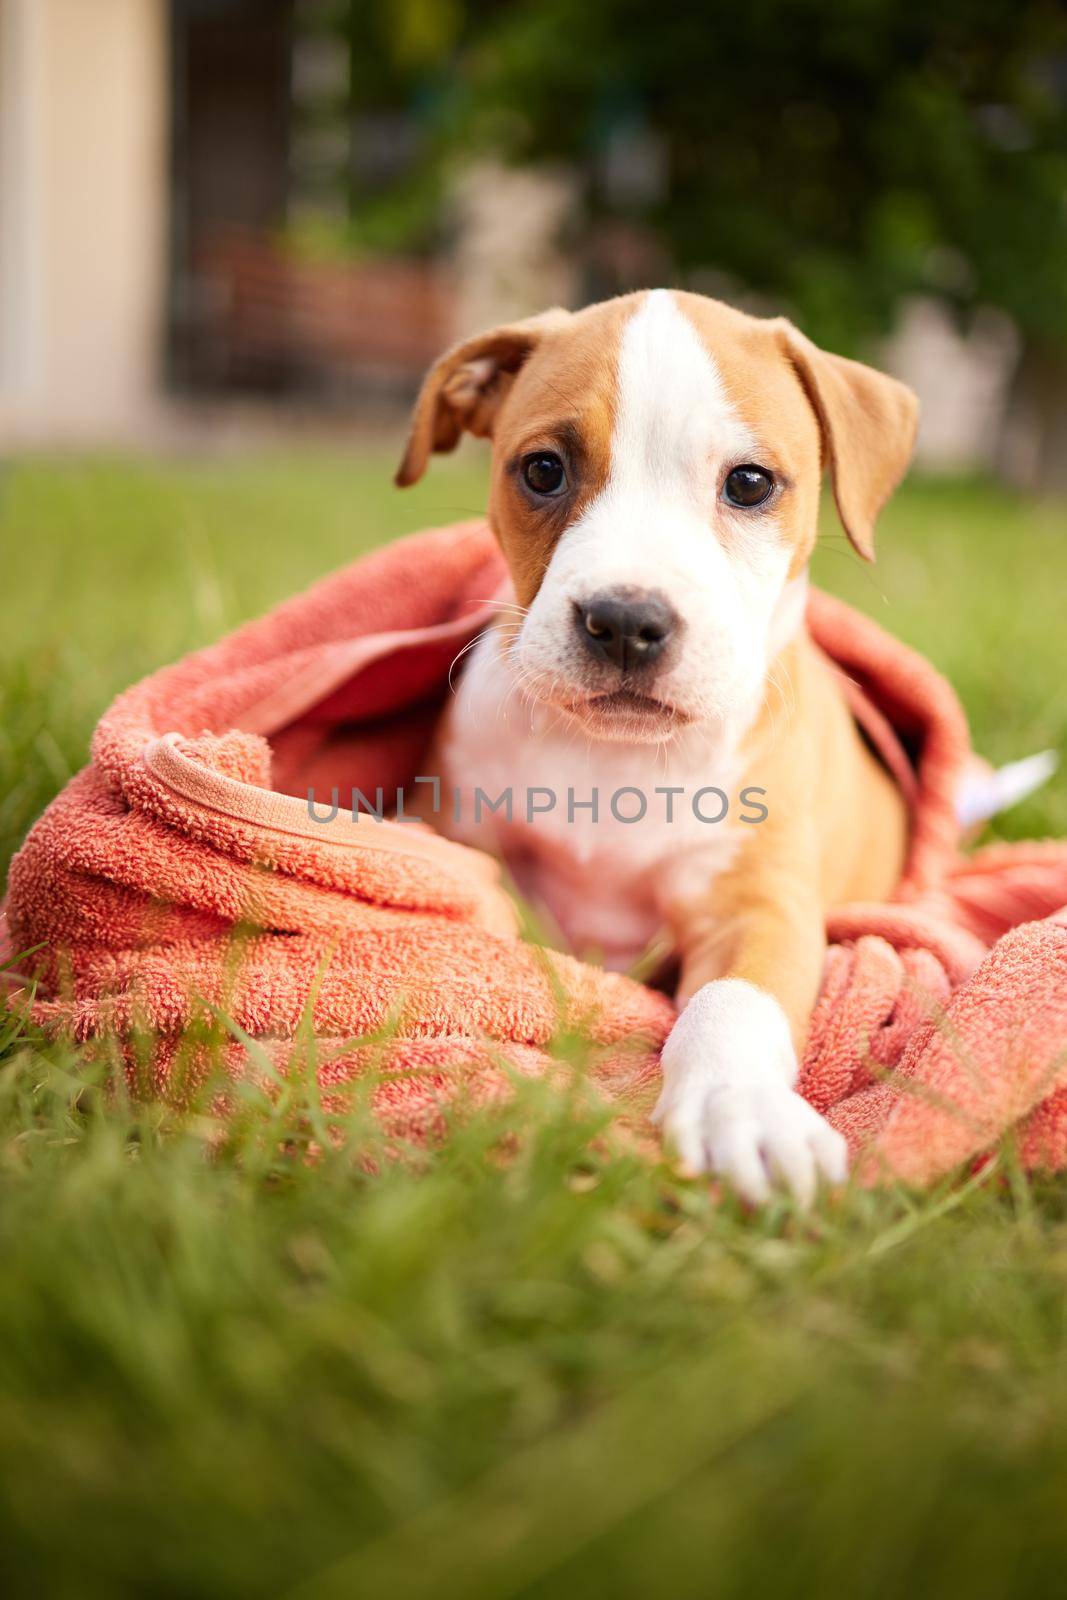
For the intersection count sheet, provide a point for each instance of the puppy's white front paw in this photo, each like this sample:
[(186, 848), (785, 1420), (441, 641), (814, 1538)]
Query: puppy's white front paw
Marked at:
[(727, 1103), (753, 1134)]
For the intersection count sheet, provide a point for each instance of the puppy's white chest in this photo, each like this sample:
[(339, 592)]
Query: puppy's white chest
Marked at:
[(597, 834)]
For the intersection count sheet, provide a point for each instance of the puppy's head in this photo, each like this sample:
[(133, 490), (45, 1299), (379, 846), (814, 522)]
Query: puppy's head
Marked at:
[(655, 486)]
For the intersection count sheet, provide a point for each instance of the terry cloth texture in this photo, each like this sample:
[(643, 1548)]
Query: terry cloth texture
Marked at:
[(181, 871)]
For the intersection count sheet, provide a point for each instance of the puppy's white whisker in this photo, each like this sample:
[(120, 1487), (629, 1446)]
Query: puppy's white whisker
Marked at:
[(470, 645)]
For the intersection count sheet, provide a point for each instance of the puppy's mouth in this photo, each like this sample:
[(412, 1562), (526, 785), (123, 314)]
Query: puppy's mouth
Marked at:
[(622, 707)]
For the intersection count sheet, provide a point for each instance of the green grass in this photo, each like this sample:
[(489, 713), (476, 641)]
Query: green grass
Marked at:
[(228, 1372)]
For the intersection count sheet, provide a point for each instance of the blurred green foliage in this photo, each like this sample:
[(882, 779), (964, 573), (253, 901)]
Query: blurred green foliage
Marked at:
[(832, 155)]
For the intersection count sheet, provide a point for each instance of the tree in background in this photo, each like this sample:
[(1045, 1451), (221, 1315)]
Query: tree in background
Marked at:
[(829, 156)]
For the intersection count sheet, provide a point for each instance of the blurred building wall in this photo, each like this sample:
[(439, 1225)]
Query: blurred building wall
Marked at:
[(83, 186), (962, 380), (508, 260)]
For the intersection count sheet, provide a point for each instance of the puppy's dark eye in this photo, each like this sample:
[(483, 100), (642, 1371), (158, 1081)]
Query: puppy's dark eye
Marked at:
[(748, 486), (543, 473)]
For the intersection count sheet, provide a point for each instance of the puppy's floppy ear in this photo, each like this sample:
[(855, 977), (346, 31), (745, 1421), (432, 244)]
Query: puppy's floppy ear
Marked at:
[(868, 424), (464, 389)]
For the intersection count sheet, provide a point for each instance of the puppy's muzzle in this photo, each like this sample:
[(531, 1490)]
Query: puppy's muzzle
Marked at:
[(630, 628)]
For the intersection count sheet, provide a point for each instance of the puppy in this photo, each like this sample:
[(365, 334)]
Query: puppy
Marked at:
[(655, 485)]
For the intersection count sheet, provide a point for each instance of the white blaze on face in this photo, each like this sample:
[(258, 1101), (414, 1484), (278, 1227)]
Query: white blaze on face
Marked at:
[(659, 523)]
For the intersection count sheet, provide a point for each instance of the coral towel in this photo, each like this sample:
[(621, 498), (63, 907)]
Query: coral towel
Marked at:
[(182, 874)]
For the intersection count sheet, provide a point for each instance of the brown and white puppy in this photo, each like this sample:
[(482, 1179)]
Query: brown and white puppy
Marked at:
[(655, 489)]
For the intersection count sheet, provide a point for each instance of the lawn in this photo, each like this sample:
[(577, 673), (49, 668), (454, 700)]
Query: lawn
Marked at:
[(225, 1371)]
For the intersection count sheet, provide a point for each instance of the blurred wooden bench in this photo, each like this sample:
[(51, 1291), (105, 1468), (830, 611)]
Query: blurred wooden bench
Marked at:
[(265, 316)]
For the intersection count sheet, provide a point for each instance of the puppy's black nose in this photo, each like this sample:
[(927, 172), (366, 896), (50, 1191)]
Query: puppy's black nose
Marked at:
[(627, 627)]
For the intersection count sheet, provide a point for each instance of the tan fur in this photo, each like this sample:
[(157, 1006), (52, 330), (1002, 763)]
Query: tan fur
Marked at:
[(868, 422), (835, 831)]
